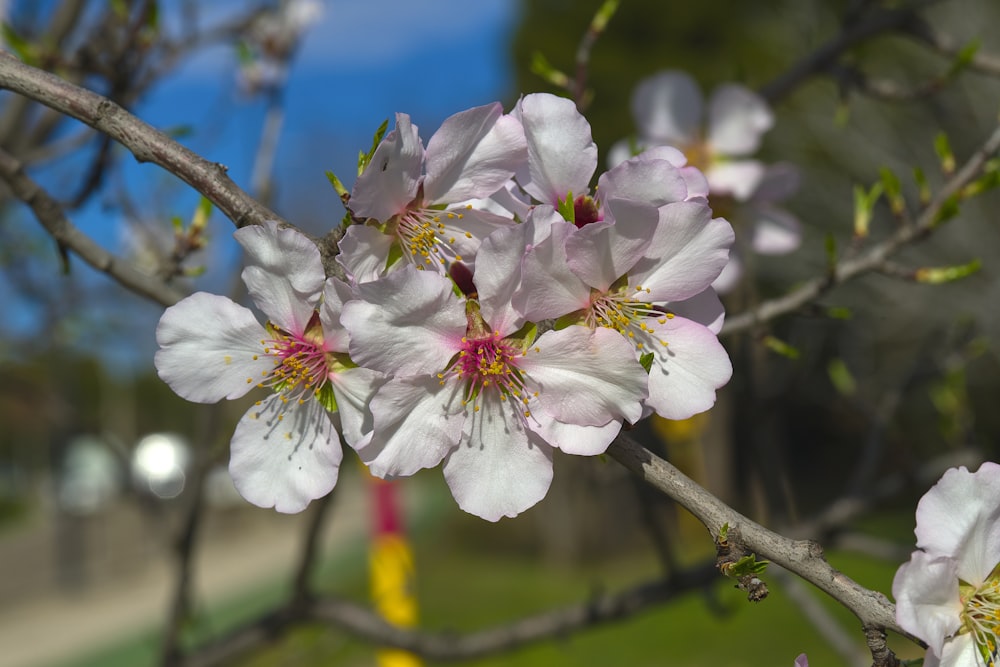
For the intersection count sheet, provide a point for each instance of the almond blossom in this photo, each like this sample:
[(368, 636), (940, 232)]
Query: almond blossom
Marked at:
[(474, 388), (285, 451), (670, 112), (644, 273), (405, 192), (948, 594)]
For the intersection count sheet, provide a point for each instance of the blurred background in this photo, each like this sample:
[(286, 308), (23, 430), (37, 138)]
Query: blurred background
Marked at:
[(867, 394)]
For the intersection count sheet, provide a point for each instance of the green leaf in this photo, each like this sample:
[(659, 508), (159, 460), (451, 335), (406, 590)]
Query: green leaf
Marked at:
[(567, 209), (841, 378), (943, 149), (947, 274), (830, 246), (364, 159), (949, 209), (893, 190), (326, 397), (24, 49), (779, 346), (839, 313), (646, 361), (963, 58), (864, 204), (543, 68), (746, 566), (337, 185)]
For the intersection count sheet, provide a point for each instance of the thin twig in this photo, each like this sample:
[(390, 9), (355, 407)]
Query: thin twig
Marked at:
[(50, 215), (875, 257)]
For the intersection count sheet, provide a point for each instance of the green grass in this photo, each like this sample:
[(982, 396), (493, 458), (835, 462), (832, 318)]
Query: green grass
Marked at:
[(463, 587)]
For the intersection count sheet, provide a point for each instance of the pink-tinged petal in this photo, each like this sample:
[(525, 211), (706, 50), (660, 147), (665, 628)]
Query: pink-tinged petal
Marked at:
[(737, 119), (562, 155), (672, 155), (687, 370), (686, 254), (653, 182), (781, 181), (667, 107), (601, 252), (586, 377), (284, 273), (621, 150), (364, 252), (353, 389), (513, 200), (927, 598), (573, 438), (209, 347), (390, 181), (473, 154), (465, 232), (960, 518), (959, 651), (417, 421), (731, 275), (285, 462), (497, 276), (408, 323), (738, 179), (549, 289), (801, 660), (775, 230), (335, 294), (500, 468), (704, 308), (696, 182)]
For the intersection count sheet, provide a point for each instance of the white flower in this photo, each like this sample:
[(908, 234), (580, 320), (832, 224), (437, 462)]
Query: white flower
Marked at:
[(285, 451), (948, 594)]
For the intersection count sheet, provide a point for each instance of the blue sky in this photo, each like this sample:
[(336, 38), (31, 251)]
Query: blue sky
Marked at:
[(361, 63)]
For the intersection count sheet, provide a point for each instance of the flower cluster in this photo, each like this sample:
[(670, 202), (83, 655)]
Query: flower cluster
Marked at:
[(670, 112), (497, 310), (948, 594)]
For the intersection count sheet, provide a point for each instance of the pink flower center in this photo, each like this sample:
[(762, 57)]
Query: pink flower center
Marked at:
[(300, 368), (489, 364)]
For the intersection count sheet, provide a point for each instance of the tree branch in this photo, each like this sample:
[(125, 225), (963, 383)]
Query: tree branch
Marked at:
[(50, 215), (875, 257), (144, 141), (802, 557)]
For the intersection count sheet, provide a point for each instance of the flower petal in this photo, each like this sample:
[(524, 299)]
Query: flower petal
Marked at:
[(573, 438), (737, 178), (390, 182), (417, 421), (601, 252), (927, 598), (500, 468), (775, 230), (586, 377), (549, 289), (705, 308), (473, 154), (737, 119), (667, 107), (562, 155), (285, 462), (335, 293), (687, 252), (409, 322), (364, 252), (209, 346), (651, 181), (283, 273), (353, 388), (687, 370), (959, 517)]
